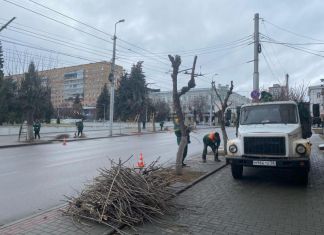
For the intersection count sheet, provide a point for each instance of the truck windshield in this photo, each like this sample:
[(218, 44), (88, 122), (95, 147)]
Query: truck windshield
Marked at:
[(270, 113)]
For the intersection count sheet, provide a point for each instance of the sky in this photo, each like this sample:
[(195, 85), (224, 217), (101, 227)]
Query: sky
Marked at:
[(71, 32)]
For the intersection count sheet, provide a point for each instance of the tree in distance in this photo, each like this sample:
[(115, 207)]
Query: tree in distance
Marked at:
[(131, 95), (103, 104)]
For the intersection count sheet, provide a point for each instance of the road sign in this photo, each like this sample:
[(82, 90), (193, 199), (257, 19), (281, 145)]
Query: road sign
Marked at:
[(255, 94)]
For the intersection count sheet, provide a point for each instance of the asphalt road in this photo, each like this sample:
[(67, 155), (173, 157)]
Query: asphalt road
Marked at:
[(37, 177)]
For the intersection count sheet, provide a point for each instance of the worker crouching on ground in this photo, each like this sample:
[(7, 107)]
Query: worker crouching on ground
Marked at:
[(177, 132), (213, 141)]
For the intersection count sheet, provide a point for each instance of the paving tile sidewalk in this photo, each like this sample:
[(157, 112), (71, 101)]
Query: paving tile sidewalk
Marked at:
[(54, 222), (264, 202)]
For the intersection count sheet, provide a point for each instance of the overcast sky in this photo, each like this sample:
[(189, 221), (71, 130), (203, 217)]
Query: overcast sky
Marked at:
[(219, 32)]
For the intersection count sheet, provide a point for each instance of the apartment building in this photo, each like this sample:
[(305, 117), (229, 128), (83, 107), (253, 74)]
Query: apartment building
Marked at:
[(86, 80)]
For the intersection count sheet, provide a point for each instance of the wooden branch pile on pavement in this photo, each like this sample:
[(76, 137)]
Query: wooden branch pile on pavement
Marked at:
[(124, 195)]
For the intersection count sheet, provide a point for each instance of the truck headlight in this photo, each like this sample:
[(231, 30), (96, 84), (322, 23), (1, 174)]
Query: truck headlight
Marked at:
[(232, 148), (301, 149)]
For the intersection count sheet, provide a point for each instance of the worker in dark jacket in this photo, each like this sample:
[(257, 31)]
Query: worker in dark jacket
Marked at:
[(80, 127), (177, 132), (213, 141), (37, 127)]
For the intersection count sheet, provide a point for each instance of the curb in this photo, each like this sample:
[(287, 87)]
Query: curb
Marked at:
[(72, 140), (25, 144), (201, 178), (32, 216)]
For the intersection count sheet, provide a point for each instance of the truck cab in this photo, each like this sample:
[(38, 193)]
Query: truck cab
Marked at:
[(270, 134)]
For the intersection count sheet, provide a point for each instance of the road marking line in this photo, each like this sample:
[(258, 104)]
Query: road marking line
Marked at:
[(8, 173), (69, 162)]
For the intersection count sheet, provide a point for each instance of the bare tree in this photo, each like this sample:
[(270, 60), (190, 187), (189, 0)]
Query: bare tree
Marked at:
[(298, 93), (222, 109), (176, 61)]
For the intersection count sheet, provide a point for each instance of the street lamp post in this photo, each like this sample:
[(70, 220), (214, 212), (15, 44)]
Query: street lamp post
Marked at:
[(211, 101), (112, 80), (322, 105), (104, 105)]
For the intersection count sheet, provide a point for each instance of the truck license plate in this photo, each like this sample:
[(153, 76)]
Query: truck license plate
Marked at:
[(264, 163)]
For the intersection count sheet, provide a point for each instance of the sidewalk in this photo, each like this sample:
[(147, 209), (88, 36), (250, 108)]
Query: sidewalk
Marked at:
[(53, 222), (7, 141)]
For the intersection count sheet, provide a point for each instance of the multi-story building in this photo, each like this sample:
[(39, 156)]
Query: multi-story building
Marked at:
[(202, 100), (86, 80), (278, 91), (316, 97)]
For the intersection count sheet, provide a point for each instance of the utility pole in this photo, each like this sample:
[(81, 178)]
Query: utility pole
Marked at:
[(287, 86), (104, 105), (322, 105), (112, 81), (5, 26), (211, 100), (257, 50), (211, 103)]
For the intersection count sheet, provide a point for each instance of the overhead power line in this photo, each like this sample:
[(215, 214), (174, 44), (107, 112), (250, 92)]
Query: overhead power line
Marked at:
[(274, 51), (64, 43), (71, 18), (44, 33), (291, 32), (19, 43), (297, 45), (154, 55), (94, 28), (219, 47), (306, 50), (269, 67), (57, 21)]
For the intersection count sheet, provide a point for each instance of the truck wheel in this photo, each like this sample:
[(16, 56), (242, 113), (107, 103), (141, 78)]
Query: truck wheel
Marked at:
[(303, 176), (237, 171)]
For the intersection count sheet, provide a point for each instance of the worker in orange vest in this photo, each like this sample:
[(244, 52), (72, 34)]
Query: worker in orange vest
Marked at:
[(213, 141)]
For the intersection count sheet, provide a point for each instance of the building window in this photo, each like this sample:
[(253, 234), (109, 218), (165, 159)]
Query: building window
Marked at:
[(318, 94)]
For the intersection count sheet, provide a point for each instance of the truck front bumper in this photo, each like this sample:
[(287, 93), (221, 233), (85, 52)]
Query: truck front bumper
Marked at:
[(283, 162)]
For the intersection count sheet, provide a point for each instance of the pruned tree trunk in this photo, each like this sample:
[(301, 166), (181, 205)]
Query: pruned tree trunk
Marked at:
[(181, 148), (224, 133), (176, 61)]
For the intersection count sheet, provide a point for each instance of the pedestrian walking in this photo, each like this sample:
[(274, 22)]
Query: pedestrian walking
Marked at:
[(177, 132), (80, 127), (211, 140), (37, 127), (161, 125)]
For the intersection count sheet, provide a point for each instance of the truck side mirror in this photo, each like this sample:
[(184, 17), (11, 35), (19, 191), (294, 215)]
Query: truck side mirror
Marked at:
[(305, 119), (238, 111)]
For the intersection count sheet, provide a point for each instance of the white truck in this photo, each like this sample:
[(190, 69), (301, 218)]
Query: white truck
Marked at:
[(271, 134)]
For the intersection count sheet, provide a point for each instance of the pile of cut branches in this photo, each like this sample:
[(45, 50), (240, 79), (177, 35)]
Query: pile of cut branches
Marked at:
[(124, 195)]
